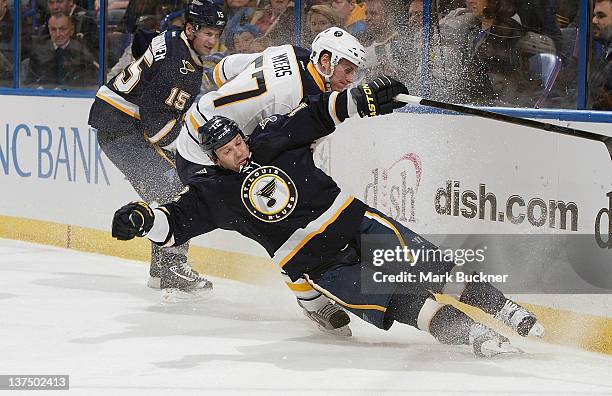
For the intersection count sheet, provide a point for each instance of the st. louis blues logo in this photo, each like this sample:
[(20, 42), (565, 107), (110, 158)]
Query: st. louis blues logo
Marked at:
[(269, 194)]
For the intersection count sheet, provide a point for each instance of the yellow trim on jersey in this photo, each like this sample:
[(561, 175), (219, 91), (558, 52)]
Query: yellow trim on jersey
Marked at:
[(161, 153), (321, 229), (387, 223), (217, 74), (300, 287), (194, 123), (163, 132), (118, 106), (331, 296), (333, 98), (316, 76)]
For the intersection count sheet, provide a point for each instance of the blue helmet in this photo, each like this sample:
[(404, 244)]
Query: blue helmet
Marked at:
[(205, 13), (216, 133)]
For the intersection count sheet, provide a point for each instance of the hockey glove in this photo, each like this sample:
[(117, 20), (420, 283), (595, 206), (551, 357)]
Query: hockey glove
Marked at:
[(376, 97), (133, 219)]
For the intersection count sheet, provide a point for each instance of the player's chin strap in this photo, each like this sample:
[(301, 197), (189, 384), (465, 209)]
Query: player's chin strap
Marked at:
[(326, 77)]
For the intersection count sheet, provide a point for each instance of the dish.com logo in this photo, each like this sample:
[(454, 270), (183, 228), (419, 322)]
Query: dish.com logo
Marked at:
[(516, 209), (598, 235)]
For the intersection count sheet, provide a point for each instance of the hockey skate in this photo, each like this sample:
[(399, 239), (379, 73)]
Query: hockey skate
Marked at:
[(165, 258), (487, 342), (154, 281), (520, 319), (330, 319), (179, 283)]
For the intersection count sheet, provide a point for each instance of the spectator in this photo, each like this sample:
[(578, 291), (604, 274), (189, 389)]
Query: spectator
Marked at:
[(539, 16), (147, 27), (444, 7), (407, 47), (489, 69), (600, 81), (208, 81), (240, 17), (415, 14), (6, 47), (263, 19), (321, 17), (242, 40), (566, 13), (282, 29), (378, 38), (85, 27), (352, 14), (234, 7), (137, 8), (62, 60)]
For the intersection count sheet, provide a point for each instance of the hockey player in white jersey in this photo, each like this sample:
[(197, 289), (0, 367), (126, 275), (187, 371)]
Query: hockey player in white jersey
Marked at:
[(253, 87)]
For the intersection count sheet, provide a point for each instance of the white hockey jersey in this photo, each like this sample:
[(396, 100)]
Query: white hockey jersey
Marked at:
[(252, 87)]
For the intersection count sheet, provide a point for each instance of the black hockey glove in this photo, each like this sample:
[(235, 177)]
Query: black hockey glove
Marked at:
[(376, 97), (133, 219)]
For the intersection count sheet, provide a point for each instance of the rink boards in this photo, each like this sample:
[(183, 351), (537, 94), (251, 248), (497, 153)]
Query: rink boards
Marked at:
[(437, 174)]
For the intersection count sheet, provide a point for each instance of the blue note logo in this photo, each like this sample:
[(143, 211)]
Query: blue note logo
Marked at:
[(269, 194)]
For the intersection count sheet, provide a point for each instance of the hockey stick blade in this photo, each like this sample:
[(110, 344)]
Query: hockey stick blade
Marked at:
[(553, 128)]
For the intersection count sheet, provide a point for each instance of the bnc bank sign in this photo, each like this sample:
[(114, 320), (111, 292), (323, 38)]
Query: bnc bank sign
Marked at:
[(50, 158), (41, 151)]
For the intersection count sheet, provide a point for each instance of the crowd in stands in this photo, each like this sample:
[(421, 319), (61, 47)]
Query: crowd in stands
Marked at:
[(521, 53)]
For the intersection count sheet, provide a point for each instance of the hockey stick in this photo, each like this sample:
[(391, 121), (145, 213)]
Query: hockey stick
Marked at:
[(607, 140)]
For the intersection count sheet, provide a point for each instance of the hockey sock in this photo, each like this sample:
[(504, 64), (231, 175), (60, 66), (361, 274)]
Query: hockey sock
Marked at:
[(451, 326), (165, 257), (483, 295), (405, 308)]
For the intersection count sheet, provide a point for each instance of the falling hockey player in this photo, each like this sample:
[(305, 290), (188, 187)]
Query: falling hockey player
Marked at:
[(138, 115), (256, 86), (309, 226)]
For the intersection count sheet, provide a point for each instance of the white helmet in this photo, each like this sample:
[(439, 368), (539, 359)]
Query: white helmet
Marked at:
[(341, 45)]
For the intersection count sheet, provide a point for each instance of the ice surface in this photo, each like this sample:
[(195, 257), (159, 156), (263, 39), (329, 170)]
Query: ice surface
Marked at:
[(92, 317)]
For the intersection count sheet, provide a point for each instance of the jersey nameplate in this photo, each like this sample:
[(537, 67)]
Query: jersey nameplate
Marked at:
[(281, 65), (158, 47), (269, 194)]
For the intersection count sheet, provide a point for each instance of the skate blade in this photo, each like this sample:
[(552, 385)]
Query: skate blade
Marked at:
[(492, 348), (154, 283), (344, 331), (537, 330), (174, 295)]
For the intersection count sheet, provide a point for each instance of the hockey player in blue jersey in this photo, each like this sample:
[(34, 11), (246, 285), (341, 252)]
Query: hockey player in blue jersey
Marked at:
[(269, 190), (274, 81), (138, 114)]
